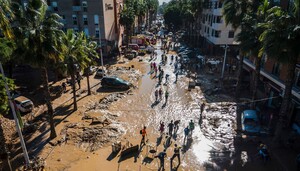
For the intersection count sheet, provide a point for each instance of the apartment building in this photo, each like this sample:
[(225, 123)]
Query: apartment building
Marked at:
[(98, 19), (272, 77), (213, 31)]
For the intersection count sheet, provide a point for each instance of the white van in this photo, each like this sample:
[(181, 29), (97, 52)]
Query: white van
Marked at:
[(23, 104)]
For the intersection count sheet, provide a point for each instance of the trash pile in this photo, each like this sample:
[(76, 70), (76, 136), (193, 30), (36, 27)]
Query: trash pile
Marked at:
[(98, 128), (219, 123)]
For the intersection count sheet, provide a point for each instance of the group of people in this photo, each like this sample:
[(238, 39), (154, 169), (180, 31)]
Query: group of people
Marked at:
[(173, 127)]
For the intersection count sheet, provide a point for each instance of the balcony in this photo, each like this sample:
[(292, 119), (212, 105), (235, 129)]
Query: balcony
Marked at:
[(274, 79), (217, 11), (76, 8), (218, 26)]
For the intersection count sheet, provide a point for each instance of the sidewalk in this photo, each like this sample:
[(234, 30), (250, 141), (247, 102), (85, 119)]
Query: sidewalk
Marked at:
[(285, 157)]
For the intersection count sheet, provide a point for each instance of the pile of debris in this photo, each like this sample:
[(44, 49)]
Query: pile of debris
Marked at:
[(106, 101), (219, 123), (92, 135)]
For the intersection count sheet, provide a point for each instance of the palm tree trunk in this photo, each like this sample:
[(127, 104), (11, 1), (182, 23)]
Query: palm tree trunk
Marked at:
[(286, 98), (74, 90), (48, 102), (240, 75), (256, 80), (88, 84)]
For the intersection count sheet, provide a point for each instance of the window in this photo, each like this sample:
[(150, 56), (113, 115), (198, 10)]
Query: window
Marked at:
[(76, 2), (217, 33), (74, 17), (297, 78), (97, 32), (220, 4), (54, 5), (84, 6), (85, 20), (276, 69), (76, 29), (216, 5), (96, 19), (263, 61), (212, 32), (219, 19), (231, 34), (86, 31)]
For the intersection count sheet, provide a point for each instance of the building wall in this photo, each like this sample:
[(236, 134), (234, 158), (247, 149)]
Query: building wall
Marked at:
[(213, 27), (100, 17)]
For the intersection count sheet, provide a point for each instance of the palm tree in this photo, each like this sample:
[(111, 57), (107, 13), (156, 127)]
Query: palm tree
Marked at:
[(249, 40), (75, 53), (281, 41), (140, 11), (234, 11), (127, 19), (91, 50), (38, 40)]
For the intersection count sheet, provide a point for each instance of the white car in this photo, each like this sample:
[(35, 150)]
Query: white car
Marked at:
[(213, 62), (23, 104), (100, 72)]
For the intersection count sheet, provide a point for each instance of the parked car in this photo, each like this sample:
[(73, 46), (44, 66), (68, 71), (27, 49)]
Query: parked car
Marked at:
[(90, 70), (250, 122), (100, 72), (213, 61), (114, 82), (134, 46), (23, 104)]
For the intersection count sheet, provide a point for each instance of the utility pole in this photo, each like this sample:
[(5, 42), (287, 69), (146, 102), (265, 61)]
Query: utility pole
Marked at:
[(12, 106), (225, 55), (101, 56)]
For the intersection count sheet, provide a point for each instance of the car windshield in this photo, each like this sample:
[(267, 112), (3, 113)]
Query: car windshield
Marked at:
[(119, 79), (26, 103), (250, 121)]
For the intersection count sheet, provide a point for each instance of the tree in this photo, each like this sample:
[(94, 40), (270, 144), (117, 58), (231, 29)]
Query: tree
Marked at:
[(280, 41), (234, 11), (37, 44), (172, 15), (91, 50), (75, 51), (127, 19), (249, 40)]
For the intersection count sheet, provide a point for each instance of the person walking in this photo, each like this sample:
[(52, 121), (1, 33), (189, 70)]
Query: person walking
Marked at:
[(143, 132), (176, 125), (186, 133), (64, 87), (176, 76), (202, 107), (161, 156), (171, 127), (160, 93), (161, 127), (78, 81), (166, 96), (156, 94), (176, 154), (191, 126)]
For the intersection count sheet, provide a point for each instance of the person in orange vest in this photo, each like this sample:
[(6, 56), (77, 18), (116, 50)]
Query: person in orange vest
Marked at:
[(144, 134)]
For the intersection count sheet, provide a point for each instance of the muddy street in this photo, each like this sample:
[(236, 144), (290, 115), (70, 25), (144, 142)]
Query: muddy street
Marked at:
[(212, 145)]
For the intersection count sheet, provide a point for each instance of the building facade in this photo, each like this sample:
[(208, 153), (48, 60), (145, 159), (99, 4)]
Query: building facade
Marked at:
[(271, 87), (98, 19), (213, 31)]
